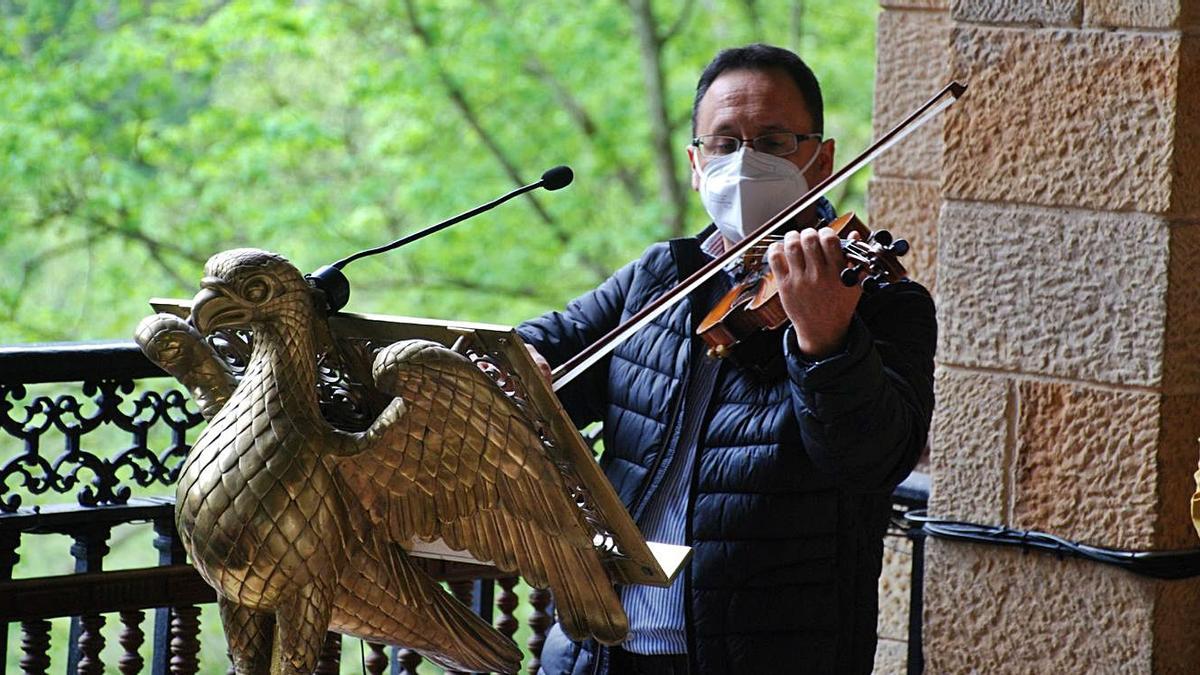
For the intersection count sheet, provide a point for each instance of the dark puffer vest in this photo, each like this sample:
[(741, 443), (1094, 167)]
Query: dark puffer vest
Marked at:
[(790, 488)]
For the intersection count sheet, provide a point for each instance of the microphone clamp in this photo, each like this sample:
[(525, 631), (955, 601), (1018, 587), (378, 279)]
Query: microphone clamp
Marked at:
[(333, 284)]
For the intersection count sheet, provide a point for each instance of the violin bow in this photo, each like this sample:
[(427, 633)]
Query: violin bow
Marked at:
[(573, 368)]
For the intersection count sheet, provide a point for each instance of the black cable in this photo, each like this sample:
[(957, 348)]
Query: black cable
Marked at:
[(1170, 564)]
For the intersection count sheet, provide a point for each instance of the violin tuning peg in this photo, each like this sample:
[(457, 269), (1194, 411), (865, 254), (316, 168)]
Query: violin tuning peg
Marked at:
[(899, 247), (871, 283), (881, 237), (850, 275)]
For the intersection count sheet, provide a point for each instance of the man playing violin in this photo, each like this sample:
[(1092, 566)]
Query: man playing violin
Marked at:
[(776, 466)]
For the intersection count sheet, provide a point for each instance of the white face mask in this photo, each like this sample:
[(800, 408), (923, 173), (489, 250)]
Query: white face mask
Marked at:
[(743, 189)]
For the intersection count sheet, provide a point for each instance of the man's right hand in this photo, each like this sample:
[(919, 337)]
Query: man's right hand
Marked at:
[(542, 364)]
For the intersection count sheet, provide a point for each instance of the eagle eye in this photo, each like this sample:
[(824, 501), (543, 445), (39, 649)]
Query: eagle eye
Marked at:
[(256, 289)]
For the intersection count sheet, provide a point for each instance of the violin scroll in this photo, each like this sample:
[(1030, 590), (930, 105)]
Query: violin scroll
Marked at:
[(876, 257)]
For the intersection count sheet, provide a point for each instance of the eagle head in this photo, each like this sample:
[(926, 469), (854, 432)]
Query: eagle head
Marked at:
[(245, 286)]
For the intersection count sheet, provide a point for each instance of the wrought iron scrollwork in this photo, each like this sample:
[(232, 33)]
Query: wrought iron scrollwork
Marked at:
[(234, 347), (342, 368), (498, 370), (346, 401), (112, 404)]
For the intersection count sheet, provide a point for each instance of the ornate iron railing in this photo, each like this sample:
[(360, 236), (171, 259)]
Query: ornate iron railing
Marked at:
[(100, 421)]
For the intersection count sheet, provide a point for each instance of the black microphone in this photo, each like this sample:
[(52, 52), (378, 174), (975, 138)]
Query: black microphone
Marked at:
[(336, 287), (557, 178)]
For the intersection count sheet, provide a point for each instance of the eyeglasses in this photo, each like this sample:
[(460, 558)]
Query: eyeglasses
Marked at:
[(779, 143)]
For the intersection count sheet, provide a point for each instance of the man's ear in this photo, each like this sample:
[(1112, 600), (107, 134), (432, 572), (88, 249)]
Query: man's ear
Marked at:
[(823, 166), (694, 164)]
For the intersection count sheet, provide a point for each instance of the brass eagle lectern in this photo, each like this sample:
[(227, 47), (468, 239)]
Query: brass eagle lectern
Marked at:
[(338, 447)]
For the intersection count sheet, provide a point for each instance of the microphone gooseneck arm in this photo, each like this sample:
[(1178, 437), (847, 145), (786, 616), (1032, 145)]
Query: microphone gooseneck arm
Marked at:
[(336, 286)]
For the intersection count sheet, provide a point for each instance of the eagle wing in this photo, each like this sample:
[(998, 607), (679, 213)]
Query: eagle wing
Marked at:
[(454, 458)]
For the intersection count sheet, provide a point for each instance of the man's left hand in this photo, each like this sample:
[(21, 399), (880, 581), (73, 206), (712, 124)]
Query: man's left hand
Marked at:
[(807, 267)]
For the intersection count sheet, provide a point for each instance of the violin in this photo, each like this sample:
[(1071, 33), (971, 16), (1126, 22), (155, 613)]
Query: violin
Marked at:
[(753, 304)]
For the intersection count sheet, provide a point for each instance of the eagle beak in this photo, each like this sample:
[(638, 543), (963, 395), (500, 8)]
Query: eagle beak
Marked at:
[(212, 308)]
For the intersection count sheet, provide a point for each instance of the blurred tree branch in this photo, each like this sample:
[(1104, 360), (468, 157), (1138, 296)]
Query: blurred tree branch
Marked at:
[(208, 13), (31, 266), (752, 14), (797, 32), (535, 67), (429, 282), (154, 247), (459, 99), (680, 21), (650, 44), (583, 120)]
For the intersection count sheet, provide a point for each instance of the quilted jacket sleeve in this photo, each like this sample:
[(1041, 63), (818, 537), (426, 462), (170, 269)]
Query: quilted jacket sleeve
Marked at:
[(561, 335), (864, 414)]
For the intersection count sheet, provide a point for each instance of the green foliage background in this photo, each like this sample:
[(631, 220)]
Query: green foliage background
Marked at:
[(138, 137)]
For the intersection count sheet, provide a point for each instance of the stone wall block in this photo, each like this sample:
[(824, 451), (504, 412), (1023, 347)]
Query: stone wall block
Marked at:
[(969, 442), (911, 65), (1001, 610), (890, 657), (1039, 12), (1140, 13), (894, 587), (1085, 464), (1064, 118), (1075, 294), (909, 210)]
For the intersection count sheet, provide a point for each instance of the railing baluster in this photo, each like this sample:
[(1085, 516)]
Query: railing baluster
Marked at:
[(185, 643), (89, 549), (131, 640), (91, 643), (170, 552), (377, 660), (331, 655), (464, 591), (540, 622), (9, 541), (409, 661), (35, 642), (506, 602)]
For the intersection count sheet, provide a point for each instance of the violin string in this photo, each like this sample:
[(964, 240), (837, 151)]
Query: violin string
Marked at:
[(850, 246), (856, 251)]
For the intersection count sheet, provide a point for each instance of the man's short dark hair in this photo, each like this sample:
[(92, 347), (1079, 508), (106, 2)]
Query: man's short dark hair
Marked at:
[(765, 57)]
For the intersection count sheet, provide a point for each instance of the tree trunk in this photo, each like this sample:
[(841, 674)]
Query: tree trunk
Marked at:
[(650, 45)]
